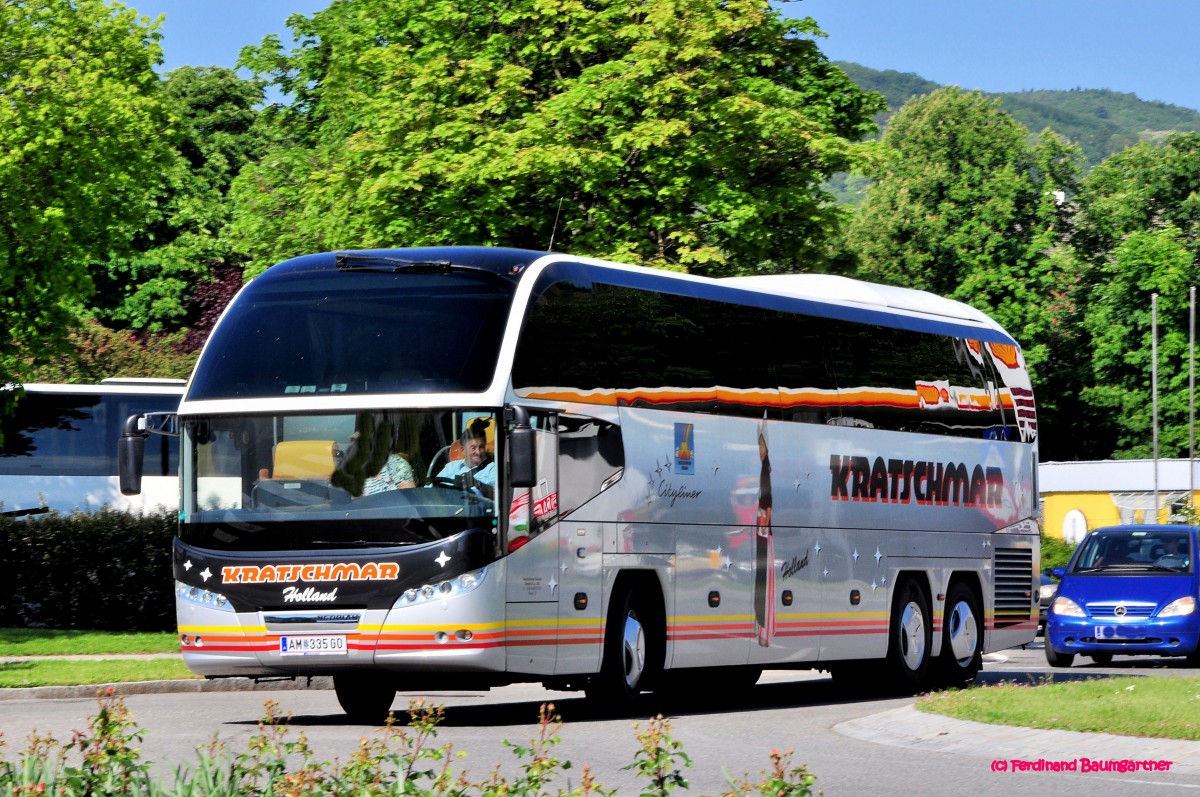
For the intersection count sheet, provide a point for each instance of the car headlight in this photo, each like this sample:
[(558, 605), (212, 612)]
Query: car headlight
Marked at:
[(1066, 607), (1178, 608)]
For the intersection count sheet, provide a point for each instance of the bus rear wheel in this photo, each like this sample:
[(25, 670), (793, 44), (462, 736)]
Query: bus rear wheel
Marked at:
[(365, 697), (962, 638), (909, 638)]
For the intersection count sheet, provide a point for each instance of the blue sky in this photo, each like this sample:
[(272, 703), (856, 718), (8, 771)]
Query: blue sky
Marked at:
[(1146, 48)]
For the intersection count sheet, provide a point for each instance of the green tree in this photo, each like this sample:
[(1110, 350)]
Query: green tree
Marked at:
[(1138, 233), (1119, 322), (966, 206), (85, 139), (149, 289), (1144, 187), (681, 133), (953, 198)]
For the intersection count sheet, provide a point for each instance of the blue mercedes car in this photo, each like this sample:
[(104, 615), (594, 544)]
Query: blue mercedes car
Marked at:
[(1128, 590)]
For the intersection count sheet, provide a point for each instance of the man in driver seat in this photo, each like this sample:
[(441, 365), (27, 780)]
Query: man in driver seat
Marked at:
[(476, 471)]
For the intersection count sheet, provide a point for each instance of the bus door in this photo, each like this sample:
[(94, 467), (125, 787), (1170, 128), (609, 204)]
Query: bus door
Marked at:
[(532, 565), (555, 579)]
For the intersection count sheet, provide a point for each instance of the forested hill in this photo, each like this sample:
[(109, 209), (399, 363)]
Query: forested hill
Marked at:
[(1100, 121)]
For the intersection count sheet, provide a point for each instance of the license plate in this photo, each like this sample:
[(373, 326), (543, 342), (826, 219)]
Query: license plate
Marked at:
[(1120, 632), (315, 645)]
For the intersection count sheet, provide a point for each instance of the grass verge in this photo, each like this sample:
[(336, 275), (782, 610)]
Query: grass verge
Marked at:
[(51, 642), (1156, 707), (57, 672)]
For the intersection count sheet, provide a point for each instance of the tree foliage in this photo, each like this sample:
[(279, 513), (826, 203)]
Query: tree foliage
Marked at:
[(177, 249), (680, 133), (85, 138), (965, 205), (968, 207), (1101, 122), (1138, 233)]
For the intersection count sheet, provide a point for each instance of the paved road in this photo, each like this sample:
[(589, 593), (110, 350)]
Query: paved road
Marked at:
[(854, 746)]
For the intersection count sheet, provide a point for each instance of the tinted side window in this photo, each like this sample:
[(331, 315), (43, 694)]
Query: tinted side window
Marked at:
[(60, 434), (591, 457), (624, 346)]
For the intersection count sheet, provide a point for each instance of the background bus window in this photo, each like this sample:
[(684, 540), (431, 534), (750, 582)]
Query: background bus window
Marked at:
[(71, 434)]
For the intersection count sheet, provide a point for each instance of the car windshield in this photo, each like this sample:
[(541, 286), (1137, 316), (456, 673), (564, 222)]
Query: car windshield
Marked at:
[(310, 481), (1135, 550)]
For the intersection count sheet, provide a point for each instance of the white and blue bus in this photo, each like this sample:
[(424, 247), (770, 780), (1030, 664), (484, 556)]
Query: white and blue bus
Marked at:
[(452, 468), (58, 446)]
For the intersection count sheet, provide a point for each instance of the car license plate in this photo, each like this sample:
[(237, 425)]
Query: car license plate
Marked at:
[(1120, 632), (313, 645)]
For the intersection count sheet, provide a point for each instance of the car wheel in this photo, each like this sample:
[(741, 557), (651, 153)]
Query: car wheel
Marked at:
[(365, 697), (1103, 659), (962, 638), (1056, 659)]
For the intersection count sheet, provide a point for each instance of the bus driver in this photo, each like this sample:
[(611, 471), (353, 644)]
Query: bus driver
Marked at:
[(476, 470)]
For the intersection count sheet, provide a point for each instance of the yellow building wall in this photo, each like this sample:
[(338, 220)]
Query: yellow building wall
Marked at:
[(1097, 508)]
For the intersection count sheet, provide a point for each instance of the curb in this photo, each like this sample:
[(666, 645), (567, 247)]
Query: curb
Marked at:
[(193, 685), (163, 687), (1040, 749)]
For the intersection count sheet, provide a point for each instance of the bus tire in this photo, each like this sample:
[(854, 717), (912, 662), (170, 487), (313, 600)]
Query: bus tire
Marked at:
[(909, 638), (962, 637), (633, 652), (365, 697)]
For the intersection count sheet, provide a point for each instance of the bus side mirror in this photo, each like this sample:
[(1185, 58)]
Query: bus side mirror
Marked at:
[(131, 458), (521, 468)]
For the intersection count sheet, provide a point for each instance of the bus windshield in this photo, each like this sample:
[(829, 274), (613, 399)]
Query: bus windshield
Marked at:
[(363, 479), (325, 332)]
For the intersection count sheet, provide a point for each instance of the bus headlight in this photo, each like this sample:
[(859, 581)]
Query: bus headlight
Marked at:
[(198, 596), (450, 588)]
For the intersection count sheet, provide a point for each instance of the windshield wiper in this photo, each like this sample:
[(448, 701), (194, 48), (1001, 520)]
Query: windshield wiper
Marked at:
[(350, 261), (362, 543)]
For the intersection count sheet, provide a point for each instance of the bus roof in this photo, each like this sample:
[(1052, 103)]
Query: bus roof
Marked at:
[(118, 386), (814, 294)]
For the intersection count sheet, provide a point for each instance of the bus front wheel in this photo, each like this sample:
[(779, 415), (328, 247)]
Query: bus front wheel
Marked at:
[(632, 652), (365, 697)]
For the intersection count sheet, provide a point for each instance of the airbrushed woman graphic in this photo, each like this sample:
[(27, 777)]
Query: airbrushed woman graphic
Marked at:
[(764, 549)]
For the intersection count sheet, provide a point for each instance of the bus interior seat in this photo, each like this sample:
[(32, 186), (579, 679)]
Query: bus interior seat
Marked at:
[(305, 459), (300, 478)]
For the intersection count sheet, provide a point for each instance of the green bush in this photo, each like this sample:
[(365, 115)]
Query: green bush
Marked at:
[(399, 762), (1056, 552), (105, 571)]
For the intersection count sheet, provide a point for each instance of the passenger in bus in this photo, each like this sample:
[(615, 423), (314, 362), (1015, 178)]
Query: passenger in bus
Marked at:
[(396, 474), (476, 471), (361, 473)]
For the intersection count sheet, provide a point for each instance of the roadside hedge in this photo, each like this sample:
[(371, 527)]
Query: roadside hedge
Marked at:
[(103, 571)]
